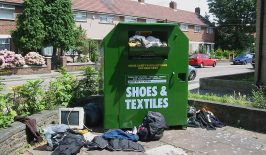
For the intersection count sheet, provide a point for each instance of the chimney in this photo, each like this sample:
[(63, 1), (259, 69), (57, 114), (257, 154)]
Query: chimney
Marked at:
[(172, 5), (197, 10), (141, 1)]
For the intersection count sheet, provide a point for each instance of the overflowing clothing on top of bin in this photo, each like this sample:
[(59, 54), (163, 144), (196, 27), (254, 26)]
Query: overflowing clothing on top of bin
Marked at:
[(203, 118), (63, 140), (142, 41)]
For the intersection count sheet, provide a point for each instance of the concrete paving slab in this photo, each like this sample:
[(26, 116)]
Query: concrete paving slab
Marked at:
[(193, 141), (226, 149), (166, 150)]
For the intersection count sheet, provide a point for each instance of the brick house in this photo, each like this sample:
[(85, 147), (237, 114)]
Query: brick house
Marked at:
[(8, 12), (98, 17)]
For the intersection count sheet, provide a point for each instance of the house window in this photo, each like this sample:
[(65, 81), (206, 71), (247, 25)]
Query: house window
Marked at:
[(106, 19), (151, 21), (210, 30), (7, 12), (195, 47), (197, 28), (184, 27), (4, 44), (80, 16), (130, 19), (47, 51)]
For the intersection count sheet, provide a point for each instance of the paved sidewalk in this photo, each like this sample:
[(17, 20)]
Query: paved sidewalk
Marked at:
[(7, 78), (14, 80), (193, 141)]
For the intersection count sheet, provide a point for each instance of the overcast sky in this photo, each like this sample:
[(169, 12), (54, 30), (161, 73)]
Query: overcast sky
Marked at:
[(188, 5)]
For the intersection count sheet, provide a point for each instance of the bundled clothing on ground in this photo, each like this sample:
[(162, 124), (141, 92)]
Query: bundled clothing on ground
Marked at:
[(65, 141), (114, 144), (54, 134), (120, 134), (116, 140), (70, 144), (203, 119), (152, 127)]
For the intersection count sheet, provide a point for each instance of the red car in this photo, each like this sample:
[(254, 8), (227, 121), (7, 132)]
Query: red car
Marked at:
[(201, 60)]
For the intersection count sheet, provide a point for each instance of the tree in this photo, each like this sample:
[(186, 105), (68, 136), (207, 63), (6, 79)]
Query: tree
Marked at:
[(85, 46), (236, 22), (30, 32), (59, 26)]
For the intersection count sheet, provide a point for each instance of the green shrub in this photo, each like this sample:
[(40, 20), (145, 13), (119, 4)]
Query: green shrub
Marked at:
[(225, 54), (60, 90), (259, 98), (87, 86), (6, 113), (83, 58), (94, 56), (28, 98)]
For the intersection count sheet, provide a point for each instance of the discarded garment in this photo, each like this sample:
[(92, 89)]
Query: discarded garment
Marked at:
[(120, 134), (70, 145), (191, 111), (31, 129), (114, 144), (124, 145), (204, 119), (54, 134)]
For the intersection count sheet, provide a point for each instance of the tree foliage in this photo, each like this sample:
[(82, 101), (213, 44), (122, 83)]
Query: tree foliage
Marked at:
[(59, 24), (45, 23), (235, 21), (30, 28)]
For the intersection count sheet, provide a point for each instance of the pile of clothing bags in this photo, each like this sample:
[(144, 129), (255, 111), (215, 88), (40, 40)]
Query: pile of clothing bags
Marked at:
[(142, 41), (203, 118), (63, 140)]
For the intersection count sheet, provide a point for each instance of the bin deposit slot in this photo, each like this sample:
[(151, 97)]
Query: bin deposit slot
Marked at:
[(182, 77), (148, 45)]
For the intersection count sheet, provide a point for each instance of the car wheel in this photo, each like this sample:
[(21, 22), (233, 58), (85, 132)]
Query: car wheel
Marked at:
[(192, 76), (214, 64), (201, 65), (244, 63)]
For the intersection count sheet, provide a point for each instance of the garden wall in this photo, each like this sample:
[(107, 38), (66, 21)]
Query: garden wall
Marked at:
[(237, 116), (14, 139), (70, 67), (25, 70)]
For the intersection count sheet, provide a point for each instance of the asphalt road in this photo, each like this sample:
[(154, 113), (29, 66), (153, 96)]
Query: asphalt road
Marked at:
[(224, 68)]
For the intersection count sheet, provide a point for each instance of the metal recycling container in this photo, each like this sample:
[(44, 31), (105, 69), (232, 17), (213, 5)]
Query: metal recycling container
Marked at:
[(140, 79)]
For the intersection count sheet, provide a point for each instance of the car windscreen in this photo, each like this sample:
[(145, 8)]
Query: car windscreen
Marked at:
[(241, 56), (193, 56)]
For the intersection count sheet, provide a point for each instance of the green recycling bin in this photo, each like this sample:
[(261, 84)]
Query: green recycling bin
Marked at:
[(145, 69)]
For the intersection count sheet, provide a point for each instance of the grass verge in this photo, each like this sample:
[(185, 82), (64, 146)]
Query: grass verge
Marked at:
[(236, 98)]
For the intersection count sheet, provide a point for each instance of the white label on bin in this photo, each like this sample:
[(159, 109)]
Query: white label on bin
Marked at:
[(146, 97)]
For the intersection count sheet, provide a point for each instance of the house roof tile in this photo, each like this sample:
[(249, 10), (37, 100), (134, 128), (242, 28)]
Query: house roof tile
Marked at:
[(133, 8), (12, 1)]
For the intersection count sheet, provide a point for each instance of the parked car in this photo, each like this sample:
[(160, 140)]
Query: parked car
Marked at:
[(201, 60), (243, 59), (192, 73)]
